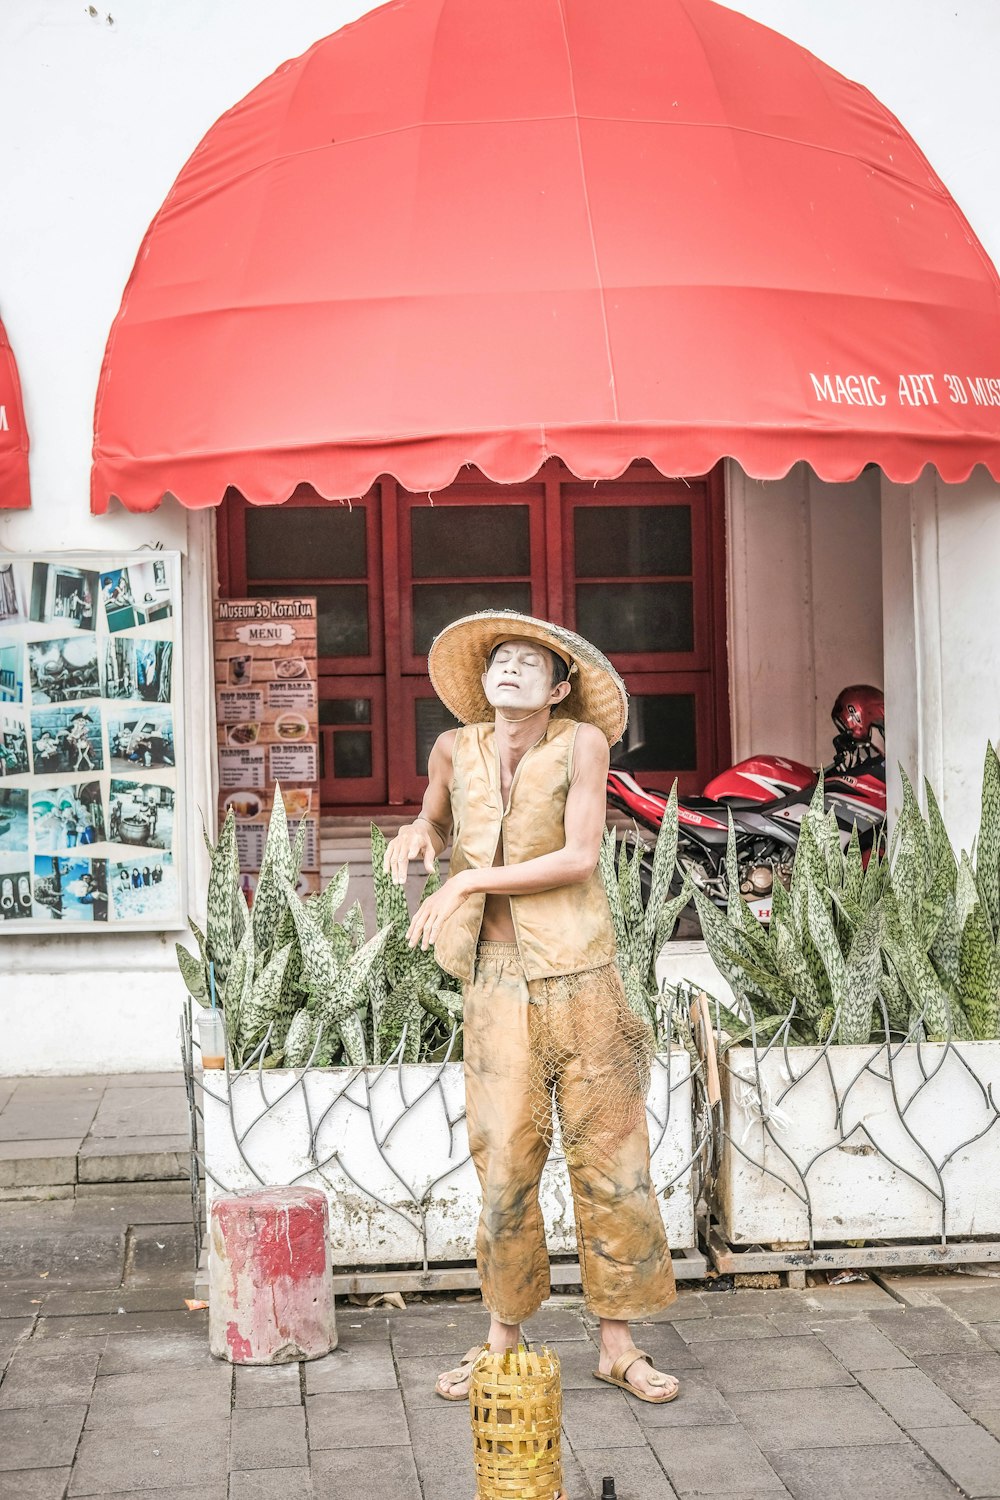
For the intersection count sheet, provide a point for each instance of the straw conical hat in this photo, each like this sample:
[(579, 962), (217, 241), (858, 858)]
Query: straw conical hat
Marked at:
[(459, 654)]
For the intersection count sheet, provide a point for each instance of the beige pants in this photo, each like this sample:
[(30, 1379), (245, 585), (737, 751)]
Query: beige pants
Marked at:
[(573, 1039)]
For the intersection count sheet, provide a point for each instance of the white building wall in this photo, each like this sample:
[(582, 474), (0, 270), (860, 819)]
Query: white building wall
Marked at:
[(96, 119)]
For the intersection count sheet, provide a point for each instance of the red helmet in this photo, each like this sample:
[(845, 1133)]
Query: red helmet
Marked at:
[(858, 710)]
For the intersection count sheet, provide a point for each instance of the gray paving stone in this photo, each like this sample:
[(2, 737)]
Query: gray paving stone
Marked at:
[(173, 1079), (55, 1379), (772, 1494), (63, 1253), (56, 1118), (354, 1419), (988, 1417), (968, 1455), (835, 1415), (853, 1296), (735, 1326), (688, 1304), (156, 1250), (636, 1472), (271, 1484), (551, 1324), (151, 1460), (268, 1437), (665, 1346), (442, 1448), (990, 1332), (698, 1405), (335, 1471), (43, 1437), (161, 1398), (416, 1378), (267, 1385), (929, 1330), (366, 1367), (63, 1301), (38, 1484), (448, 1336), (132, 1112), (772, 1365), (754, 1300), (713, 1461), (181, 1324), (600, 1419), (132, 1353), (859, 1345), (217, 1491), (912, 1399), (974, 1304), (970, 1379), (890, 1471)]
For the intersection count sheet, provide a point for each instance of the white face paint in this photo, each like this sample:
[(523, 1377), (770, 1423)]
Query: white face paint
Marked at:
[(518, 681)]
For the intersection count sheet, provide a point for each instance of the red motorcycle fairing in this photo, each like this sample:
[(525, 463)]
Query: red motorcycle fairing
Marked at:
[(760, 778)]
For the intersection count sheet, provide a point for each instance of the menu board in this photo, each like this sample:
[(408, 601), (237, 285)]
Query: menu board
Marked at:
[(268, 731), (90, 742)]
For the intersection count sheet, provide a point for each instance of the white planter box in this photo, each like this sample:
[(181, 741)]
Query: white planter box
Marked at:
[(860, 1146), (392, 1153)]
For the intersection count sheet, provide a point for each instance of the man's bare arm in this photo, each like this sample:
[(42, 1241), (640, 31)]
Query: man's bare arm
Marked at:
[(427, 836)]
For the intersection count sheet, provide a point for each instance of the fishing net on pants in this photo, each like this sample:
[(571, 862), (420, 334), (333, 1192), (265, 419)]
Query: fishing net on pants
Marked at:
[(590, 1060)]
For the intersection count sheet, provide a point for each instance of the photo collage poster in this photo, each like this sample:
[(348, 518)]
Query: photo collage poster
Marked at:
[(90, 822), (267, 706)]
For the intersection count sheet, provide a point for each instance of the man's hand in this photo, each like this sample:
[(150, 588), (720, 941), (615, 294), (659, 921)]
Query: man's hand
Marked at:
[(413, 841), (435, 911)]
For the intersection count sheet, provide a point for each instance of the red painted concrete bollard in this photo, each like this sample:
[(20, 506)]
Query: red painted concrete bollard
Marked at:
[(270, 1287)]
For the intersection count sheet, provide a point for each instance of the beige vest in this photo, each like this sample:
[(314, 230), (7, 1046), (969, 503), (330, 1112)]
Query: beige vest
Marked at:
[(561, 931)]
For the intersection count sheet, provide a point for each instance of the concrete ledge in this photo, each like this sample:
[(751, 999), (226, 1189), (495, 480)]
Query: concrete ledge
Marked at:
[(149, 1158), (38, 1163)]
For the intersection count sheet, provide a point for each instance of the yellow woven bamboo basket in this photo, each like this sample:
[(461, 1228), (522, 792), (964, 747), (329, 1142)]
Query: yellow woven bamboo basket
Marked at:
[(516, 1405)]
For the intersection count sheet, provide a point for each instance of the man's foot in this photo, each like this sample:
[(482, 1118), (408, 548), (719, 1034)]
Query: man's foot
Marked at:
[(453, 1385), (631, 1371)]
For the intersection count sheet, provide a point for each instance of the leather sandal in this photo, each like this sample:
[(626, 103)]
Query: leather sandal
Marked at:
[(462, 1371), (624, 1363)]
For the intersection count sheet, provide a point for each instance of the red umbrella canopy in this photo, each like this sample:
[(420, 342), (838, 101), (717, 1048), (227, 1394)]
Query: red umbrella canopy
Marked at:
[(14, 491), (455, 233)]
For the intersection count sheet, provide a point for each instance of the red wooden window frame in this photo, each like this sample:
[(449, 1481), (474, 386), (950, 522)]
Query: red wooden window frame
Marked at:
[(703, 671), (531, 496), (238, 584), (354, 790)]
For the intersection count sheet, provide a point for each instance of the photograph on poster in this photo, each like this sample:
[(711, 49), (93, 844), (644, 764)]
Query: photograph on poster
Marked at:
[(141, 737), (15, 887), (13, 746), (63, 670), (136, 595), (61, 595), (66, 739), (143, 888), (70, 890), (138, 669), (13, 819), (11, 670), (10, 594), (67, 817), (141, 814)]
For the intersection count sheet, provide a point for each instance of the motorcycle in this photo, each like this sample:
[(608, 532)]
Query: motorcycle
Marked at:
[(767, 797)]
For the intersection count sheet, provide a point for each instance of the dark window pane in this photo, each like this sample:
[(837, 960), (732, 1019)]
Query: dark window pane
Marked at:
[(470, 541), (627, 541), (345, 711), (432, 719), (352, 754), (342, 609), (435, 605), (660, 735), (307, 542), (636, 616)]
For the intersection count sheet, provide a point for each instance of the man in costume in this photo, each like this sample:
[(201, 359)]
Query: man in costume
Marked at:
[(523, 921)]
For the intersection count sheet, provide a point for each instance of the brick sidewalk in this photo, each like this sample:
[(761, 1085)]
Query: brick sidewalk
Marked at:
[(828, 1394)]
